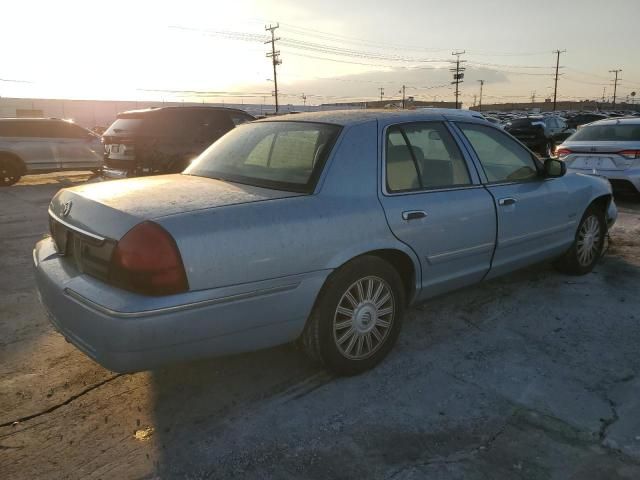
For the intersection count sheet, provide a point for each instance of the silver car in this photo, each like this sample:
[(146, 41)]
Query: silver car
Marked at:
[(42, 145), (316, 227), (609, 148)]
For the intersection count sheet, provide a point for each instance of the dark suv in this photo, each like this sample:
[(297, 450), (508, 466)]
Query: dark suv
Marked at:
[(539, 133), (164, 140)]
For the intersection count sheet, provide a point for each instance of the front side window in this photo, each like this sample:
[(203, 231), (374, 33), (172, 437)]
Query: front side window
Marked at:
[(281, 155), (423, 156), (502, 158)]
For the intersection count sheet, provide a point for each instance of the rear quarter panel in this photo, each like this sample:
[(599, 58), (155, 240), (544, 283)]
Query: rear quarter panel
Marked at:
[(275, 238)]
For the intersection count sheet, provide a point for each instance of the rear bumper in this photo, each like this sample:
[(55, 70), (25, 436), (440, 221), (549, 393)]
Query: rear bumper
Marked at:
[(126, 332)]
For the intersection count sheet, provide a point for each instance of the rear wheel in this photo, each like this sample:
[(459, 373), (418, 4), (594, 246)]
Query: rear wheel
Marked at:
[(10, 171), (357, 316), (587, 246)]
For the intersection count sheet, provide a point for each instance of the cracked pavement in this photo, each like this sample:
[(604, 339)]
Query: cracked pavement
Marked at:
[(532, 376)]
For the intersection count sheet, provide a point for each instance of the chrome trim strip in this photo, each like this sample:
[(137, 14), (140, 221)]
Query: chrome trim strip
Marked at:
[(463, 252), (74, 228), (176, 308), (539, 233)]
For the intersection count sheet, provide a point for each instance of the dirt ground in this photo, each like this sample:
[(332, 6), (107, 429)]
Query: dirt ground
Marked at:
[(530, 376)]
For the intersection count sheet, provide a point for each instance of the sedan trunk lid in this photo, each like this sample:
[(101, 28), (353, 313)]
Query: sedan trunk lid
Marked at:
[(111, 209)]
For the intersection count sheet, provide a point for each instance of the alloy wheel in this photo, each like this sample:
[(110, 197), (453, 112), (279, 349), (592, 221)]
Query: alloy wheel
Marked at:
[(589, 240), (363, 318)]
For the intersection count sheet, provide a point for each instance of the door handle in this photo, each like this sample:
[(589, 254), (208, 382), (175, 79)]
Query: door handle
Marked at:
[(507, 201), (413, 214)]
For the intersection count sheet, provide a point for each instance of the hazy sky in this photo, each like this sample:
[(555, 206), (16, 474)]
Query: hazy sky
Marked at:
[(331, 50)]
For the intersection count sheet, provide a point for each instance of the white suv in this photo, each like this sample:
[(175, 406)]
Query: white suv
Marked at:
[(41, 145)]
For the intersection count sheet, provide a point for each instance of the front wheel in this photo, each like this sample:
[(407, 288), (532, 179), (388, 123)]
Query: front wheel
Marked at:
[(357, 316), (587, 246)]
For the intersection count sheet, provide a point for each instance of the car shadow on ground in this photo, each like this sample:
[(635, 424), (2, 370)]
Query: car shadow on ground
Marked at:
[(507, 375)]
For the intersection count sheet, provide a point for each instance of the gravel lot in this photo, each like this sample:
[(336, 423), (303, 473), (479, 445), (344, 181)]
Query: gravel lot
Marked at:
[(534, 375)]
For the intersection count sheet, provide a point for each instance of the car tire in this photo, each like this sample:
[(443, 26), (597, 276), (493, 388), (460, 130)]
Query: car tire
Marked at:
[(357, 316), (10, 171), (587, 246)]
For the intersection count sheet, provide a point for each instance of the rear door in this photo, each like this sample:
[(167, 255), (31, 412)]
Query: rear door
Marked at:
[(434, 202), (76, 148), (534, 220)]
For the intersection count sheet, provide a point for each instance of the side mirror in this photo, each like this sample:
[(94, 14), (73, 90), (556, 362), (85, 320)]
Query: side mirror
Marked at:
[(554, 168)]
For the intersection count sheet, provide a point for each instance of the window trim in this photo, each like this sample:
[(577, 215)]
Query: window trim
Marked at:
[(478, 163), (392, 193)]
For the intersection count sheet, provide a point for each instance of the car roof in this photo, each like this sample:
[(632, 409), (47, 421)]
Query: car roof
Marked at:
[(35, 119), (185, 108), (353, 117), (618, 121)]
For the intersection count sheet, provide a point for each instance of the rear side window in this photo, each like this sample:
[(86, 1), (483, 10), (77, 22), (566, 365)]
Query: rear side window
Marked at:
[(612, 133), (33, 129), (423, 156), (502, 158)]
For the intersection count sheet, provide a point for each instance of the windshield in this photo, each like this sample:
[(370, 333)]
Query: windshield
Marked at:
[(608, 133), (280, 155)]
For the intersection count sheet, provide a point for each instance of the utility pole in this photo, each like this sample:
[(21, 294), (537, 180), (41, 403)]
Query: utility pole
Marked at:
[(403, 92), (603, 90), (480, 104), (275, 59), (381, 93), (555, 87), (615, 85), (458, 75)]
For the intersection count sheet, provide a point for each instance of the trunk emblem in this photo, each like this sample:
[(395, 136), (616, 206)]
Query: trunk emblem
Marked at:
[(66, 208)]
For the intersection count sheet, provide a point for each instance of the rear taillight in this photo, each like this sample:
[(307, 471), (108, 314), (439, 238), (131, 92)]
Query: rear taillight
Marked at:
[(631, 154), (147, 260), (563, 152)]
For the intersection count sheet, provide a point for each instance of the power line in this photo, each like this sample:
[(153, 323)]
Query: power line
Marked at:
[(275, 59)]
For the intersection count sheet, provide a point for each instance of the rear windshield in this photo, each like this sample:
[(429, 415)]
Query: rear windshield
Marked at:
[(280, 155), (611, 132), (124, 126), (527, 122)]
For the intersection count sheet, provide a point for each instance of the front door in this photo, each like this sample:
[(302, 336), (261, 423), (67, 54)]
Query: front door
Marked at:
[(434, 203), (534, 221)]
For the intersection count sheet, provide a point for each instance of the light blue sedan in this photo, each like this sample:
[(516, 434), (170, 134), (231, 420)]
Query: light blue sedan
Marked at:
[(320, 227)]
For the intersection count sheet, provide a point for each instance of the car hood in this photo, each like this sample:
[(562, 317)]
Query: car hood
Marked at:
[(112, 208)]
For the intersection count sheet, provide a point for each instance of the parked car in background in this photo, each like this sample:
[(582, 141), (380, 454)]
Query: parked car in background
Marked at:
[(43, 145), (164, 140), (609, 148), (583, 118), (495, 121), (539, 133), (322, 227)]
